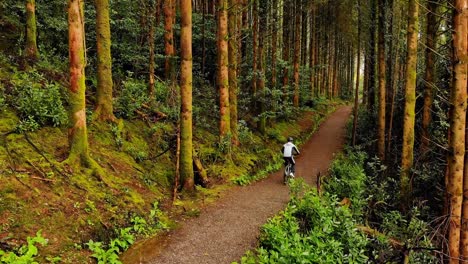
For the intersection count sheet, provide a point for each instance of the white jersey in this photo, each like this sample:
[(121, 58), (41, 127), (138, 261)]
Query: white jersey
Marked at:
[(289, 149)]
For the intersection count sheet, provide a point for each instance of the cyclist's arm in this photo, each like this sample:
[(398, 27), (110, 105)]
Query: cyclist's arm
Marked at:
[(296, 150)]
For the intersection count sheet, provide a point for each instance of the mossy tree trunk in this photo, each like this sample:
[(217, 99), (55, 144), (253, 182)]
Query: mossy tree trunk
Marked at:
[(382, 79), (32, 54), (153, 22), (186, 145), (169, 16), (79, 149), (431, 35), (104, 108), (223, 70), (233, 59), (456, 151), (410, 104)]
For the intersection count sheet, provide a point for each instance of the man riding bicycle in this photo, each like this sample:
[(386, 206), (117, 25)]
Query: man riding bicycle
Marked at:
[(289, 150)]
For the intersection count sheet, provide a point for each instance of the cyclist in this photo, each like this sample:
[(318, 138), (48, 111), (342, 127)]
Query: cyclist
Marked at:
[(289, 150)]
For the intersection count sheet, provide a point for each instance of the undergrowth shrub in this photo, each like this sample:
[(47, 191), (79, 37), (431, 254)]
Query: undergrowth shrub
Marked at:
[(37, 99), (313, 229), (133, 96), (348, 180), (108, 253), (27, 254)]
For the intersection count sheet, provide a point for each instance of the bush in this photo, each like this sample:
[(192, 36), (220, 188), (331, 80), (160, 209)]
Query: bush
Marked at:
[(132, 97), (313, 229), (348, 180), (37, 99)]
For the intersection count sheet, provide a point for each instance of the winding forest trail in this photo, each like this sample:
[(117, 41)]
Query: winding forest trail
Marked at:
[(226, 230)]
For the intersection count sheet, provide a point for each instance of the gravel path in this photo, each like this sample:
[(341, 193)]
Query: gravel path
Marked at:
[(225, 231)]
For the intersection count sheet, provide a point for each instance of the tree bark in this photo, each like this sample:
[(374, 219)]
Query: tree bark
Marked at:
[(274, 43), (286, 47), (32, 54), (255, 31), (431, 35), (261, 65), (223, 71), (79, 147), (410, 103), (297, 52), (456, 151), (186, 145), (233, 59), (371, 81), (356, 93), (169, 16), (104, 108), (382, 79)]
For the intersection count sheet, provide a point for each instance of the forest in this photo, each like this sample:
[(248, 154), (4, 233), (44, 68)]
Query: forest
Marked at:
[(123, 122)]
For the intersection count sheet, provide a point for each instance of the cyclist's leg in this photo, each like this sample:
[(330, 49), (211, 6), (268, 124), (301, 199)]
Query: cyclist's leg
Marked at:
[(293, 165)]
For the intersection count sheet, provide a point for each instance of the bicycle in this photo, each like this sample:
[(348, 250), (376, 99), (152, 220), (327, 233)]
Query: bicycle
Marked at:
[(288, 174)]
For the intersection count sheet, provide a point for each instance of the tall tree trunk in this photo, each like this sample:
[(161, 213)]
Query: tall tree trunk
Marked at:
[(79, 147), (104, 108), (169, 16), (274, 40), (255, 31), (382, 79), (464, 219), (32, 54), (410, 103), (233, 58), (261, 65), (186, 147), (312, 50), (223, 70), (297, 52), (431, 34), (286, 48), (203, 40), (304, 23), (356, 93), (456, 145), (152, 18), (371, 84)]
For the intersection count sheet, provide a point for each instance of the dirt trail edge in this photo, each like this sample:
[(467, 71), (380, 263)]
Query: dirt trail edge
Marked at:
[(225, 231)]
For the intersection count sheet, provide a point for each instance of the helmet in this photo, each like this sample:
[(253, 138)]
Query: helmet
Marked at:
[(290, 139)]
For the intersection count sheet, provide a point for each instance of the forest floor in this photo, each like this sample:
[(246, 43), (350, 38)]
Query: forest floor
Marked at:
[(225, 230)]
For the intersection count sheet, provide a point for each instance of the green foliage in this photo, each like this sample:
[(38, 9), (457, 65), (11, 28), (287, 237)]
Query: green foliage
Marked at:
[(109, 254), (25, 254), (348, 180), (37, 100), (133, 95), (246, 179), (313, 229)]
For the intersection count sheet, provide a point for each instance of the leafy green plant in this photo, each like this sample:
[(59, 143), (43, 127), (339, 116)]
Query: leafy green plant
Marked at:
[(314, 229), (109, 254), (25, 254), (36, 98), (132, 97)]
